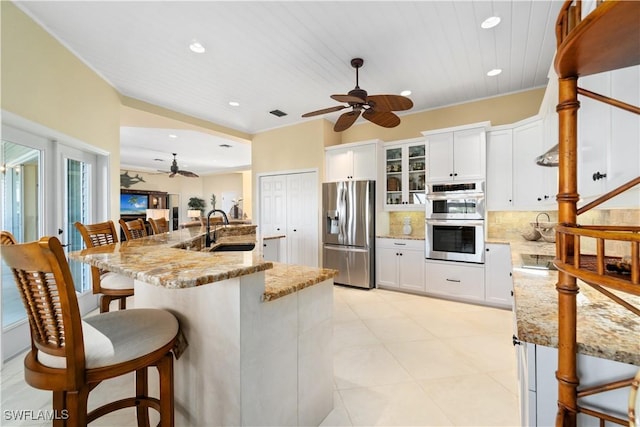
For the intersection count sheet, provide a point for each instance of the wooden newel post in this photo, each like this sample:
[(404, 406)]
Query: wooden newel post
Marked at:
[(567, 288)]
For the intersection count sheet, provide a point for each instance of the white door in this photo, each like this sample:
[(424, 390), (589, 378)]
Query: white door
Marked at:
[(302, 219), (273, 198), (23, 196), (78, 203)]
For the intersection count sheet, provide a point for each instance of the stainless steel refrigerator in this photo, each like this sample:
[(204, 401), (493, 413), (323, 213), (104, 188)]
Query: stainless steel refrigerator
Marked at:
[(348, 230)]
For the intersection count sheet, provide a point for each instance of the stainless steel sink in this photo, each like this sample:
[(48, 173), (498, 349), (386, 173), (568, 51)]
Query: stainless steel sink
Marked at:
[(233, 247)]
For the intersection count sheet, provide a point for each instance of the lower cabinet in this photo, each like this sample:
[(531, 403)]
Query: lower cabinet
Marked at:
[(271, 249), (400, 264), (463, 281), (538, 388), (498, 280)]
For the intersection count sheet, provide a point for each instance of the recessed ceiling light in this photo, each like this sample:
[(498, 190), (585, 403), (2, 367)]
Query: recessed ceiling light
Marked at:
[(196, 47), (234, 103), (405, 93), (171, 135), (494, 72), (490, 22)]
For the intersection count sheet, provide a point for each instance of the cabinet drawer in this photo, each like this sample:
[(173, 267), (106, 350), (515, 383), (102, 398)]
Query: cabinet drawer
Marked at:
[(410, 244), (455, 279)]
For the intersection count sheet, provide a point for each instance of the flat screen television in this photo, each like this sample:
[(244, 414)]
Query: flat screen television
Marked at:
[(133, 204)]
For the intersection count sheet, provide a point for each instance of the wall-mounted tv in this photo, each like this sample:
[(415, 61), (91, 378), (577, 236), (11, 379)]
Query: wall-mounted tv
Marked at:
[(133, 204)]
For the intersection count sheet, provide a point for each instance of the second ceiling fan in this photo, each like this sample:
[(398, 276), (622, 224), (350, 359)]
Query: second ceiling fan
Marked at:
[(377, 109)]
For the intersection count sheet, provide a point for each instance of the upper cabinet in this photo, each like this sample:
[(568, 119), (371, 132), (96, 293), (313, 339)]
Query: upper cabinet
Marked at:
[(456, 154), (534, 186), (355, 161), (500, 169), (608, 149), (404, 171)]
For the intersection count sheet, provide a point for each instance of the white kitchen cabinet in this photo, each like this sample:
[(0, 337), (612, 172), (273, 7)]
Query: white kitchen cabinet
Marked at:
[(499, 191), (458, 280), (456, 154), (271, 249), (404, 166), (538, 387), (498, 280), (534, 186), (288, 206), (354, 161), (400, 264), (608, 152)]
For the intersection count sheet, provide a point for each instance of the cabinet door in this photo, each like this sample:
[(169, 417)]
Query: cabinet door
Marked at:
[(624, 151), (271, 250), (440, 157), (273, 205), (534, 186), (594, 132), (498, 277), (302, 219), (387, 266), (364, 160), (414, 178), (394, 166), (499, 170), (469, 154), (338, 164), (411, 270)]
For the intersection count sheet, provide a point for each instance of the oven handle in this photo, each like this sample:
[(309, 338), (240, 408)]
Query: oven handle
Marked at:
[(460, 222), (451, 196)]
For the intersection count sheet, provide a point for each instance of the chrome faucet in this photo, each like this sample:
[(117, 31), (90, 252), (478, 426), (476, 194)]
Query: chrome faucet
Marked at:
[(208, 239)]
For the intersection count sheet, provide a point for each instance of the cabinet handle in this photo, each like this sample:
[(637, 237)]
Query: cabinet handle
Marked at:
[(455, 174), (453, 280), (487, 249), (399, 244), (598, 175), (515, 340), (539, 199), (546, 197), (295, 229), (450, 174)]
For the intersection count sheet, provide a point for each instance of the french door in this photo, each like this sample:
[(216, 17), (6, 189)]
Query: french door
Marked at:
[(46, 187)]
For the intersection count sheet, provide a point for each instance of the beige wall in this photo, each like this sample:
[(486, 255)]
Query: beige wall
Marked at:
[(499, 111), (44, 83), (219, 183)]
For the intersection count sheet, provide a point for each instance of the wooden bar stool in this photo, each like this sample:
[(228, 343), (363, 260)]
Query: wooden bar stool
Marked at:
[(133, 229), (111, 286), (159, 225), (70, 356)]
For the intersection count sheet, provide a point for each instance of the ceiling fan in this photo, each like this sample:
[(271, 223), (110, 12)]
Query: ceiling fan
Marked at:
[(377, 109), (175, 170)]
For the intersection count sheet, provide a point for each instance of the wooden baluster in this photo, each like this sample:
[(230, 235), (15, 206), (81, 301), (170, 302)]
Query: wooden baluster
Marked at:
[(635, 264), (600, 256)]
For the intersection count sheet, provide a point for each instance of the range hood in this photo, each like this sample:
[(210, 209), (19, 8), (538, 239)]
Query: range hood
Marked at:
[(550, 158)]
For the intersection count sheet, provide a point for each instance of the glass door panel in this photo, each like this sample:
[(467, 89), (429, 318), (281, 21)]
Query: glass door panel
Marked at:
[(21, 196)]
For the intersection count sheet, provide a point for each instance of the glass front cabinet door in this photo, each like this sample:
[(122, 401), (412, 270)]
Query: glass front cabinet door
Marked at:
[(405, 164)]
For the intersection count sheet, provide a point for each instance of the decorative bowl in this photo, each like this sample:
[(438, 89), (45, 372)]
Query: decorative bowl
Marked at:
[(531, 234)]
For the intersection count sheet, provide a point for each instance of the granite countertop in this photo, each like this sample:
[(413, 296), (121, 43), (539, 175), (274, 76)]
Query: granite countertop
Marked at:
[(605, 329), (399, 236), (167, 260)]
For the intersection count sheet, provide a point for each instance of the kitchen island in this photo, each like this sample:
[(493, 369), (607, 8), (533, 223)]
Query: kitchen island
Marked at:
[(608, 339), (259, 333)]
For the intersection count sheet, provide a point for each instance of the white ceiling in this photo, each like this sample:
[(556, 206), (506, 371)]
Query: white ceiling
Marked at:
[(293, 55)]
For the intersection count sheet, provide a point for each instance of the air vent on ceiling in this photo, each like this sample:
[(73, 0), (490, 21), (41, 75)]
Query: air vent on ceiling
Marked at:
[(278, 113)]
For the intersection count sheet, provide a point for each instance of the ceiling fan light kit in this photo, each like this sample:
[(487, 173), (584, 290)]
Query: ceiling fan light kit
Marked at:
[(377, 109)]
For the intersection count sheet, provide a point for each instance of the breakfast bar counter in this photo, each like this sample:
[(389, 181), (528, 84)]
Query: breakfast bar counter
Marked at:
[(259, 333)]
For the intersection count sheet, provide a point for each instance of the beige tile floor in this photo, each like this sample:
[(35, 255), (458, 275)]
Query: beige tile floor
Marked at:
[(400, 360)]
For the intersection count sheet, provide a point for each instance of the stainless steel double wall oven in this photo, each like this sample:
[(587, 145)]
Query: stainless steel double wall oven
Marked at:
[(455, 221)]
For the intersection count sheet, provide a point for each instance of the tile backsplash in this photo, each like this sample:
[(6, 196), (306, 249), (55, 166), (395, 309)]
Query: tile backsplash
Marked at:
[(416, 219), (511, 225)]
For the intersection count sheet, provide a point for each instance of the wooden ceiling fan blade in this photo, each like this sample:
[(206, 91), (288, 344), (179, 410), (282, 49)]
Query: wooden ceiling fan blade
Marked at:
[(324, 111), (382, 118), (346, 120), (188, 173), (172, 175), (389, 102), (348, 98)]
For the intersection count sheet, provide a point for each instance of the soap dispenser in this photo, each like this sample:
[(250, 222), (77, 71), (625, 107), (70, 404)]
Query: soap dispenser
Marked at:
[(406, 228)]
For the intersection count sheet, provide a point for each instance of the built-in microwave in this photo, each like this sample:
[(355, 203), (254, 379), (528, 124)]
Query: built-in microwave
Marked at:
[(456, 201), (455, 240)]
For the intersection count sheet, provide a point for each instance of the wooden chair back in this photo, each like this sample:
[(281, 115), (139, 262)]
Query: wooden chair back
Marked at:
[(7, 238), (159, 225), (100, 234), (44, 281), (134, 229)]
